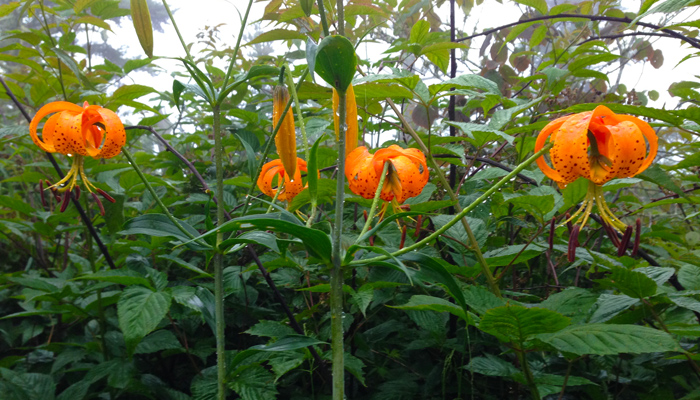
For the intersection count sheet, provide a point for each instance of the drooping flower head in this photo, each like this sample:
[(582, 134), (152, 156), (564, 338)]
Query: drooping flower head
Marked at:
[(350, 119), (290, 188), (79, 132), (406, 176), (598, 145)]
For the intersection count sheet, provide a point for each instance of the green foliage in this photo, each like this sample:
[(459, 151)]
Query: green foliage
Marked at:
[(124, 305)]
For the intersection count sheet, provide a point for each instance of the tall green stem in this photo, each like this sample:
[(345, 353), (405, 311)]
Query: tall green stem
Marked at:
[(179, 35), (238, 46), (373, 208), (155, 196), (322, 14), (528, 375), (336, 295), (219, 258), (490, 280), (461, 214)]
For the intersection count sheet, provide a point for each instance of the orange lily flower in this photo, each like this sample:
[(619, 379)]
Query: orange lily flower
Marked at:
[(406, 176), (291, 187), (598, 145), (78, 132)]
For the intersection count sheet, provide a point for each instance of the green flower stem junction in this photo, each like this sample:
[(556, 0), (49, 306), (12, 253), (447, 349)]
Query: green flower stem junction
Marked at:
[(375, 202)]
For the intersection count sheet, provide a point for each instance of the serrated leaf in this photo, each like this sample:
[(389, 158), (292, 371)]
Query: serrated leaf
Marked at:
[(518, 324), (491, 366), (609, 339), (609, 305), (253, 383), (631, 283), (140, 310), (158, 341), (689, 277), (6, 9)]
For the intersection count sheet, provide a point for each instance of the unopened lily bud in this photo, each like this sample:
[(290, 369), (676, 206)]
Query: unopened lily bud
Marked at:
[(286, 139), (350, 119)]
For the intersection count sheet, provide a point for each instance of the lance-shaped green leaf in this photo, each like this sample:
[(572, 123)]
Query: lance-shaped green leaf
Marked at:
[(317, 243), (254, 72), (432, 303), (141, 17), (178, 88), (159, 225), (336, 62), (312, 174)]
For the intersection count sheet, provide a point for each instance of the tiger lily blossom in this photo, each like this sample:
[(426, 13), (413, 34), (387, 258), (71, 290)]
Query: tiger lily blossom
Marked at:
[(597, 145), (406, 176), (291, 187), (88, 131)]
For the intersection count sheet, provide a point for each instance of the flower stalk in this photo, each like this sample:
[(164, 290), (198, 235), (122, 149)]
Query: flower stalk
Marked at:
[(219, 258), (336, 295)]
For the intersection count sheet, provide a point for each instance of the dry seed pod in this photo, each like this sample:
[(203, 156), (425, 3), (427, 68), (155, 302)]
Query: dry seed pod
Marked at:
[(286, 139), (350, 119)]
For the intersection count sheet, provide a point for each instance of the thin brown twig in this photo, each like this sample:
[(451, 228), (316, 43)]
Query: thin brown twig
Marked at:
[(691, 41)]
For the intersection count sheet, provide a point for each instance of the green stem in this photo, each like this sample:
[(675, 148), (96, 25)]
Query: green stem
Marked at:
[(235, 50), (322, 14), (528, 375), (297, 107), (461, 214), (280, 187), (100, 307), (269, 145), (336, 295), (167, 213), (493, 285), (179, 35), (375, 202), (219, 258)]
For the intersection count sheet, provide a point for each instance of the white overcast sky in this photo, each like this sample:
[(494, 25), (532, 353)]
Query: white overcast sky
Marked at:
[(193, 16)]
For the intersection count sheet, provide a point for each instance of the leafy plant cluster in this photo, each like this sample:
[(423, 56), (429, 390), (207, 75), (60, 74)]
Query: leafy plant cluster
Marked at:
[(464, 291)]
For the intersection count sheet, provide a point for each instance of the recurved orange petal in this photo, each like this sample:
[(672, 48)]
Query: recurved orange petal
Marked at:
[(362, 178), (57, 106), (539, 143), (114, 135)]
